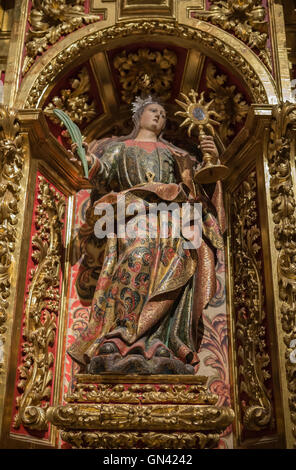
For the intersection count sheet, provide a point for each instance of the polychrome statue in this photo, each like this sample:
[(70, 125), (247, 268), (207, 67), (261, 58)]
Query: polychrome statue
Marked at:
[(147, 293)]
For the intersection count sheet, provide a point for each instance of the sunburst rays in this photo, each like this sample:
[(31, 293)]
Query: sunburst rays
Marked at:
[(197, 113)]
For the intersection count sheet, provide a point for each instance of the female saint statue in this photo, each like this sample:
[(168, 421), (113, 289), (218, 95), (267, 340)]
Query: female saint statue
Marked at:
[(147, 293)]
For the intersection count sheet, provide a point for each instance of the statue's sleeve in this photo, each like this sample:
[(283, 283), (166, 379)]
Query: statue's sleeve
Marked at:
[(103, 171)]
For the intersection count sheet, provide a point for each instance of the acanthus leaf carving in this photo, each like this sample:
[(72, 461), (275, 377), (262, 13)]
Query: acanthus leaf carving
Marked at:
[(228, 102), (248, 292), (41, 311), (159, 66), (76, 102), (245, 19), (283, 206), (11, 165), (50, 71), (50, 20)]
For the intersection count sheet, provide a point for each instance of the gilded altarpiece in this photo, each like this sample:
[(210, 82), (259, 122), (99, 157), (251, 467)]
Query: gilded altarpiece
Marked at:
[(89, 58)]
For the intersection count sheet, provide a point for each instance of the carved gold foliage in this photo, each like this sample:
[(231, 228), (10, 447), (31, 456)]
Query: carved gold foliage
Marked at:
[(75, 101), (66, 56), (50, 20), (41, 310), (159, 66), (148, 440), (154, 417), (149, 393), (249, 308), (284, 217), (11, 164), (246, 19), (228, 102)]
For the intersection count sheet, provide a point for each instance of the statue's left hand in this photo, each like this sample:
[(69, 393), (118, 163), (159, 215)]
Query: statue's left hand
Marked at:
[(208, 145)]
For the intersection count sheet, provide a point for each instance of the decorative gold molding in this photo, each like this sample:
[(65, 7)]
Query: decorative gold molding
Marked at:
[(248, 299), (148, 440), (11, 164), (156, 411), (41, 310), (258, 83), (160, 417), (141, 393), (282, 193), (133, 66), (228, 102), (50, 20), (75, 102), (245, 19)]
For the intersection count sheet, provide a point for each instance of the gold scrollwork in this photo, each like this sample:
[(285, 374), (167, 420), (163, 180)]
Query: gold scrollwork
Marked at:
[(11, 164), (56, 65), (148, 440), (283, 210), (246, 19), (41, 310), (149, 393), (228, 102), (249, 308), (154, 417), (75, 102), (159, 66), (50, 20)]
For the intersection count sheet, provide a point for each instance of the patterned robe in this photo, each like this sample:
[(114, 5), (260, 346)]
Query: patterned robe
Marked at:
[(146, 292)]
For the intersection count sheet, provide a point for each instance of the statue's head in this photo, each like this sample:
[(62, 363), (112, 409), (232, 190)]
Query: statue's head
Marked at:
[(148, 114)]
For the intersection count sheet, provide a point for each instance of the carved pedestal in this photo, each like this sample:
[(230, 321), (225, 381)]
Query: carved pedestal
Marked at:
[(159, 412)]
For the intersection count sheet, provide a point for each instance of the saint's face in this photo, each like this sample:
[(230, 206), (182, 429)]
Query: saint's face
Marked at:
[(153, 118)]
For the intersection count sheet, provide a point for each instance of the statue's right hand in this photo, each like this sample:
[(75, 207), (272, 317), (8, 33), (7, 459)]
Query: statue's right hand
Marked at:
[(75, 158)]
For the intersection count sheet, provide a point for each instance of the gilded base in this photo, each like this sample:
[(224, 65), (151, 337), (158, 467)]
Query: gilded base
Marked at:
[(161, 412), (211, 174)]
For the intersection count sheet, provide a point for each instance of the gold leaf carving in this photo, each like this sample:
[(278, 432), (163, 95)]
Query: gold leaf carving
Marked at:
[(228, 102), (249, 308), (110, 393), (50, 20), (148, 440), (284, 218), (11, 164), (147, 412), (159, 66), (66, 56), (74, 101), (154, 417), (245, 19), (41, 310)]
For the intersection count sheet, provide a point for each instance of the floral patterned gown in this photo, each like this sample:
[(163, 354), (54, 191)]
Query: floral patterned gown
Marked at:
[(146, 292)]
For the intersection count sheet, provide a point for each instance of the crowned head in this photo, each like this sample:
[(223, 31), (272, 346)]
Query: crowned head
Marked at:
[(148, 112)]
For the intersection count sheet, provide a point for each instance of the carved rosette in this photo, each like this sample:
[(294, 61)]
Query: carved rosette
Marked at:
[(282, 195), (56, 65), (41, 311), (107, 414), (245, 19), (11, 164), (50, 20), (248, 299), (228, 103), (74, 101), (159, 66)]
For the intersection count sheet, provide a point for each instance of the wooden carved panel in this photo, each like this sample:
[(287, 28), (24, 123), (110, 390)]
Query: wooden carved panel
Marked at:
[(253, 361), (41, 311)]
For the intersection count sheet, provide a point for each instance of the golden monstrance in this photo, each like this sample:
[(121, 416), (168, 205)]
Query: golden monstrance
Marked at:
[(197, 113)]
